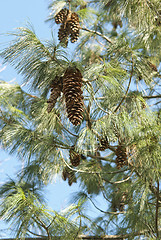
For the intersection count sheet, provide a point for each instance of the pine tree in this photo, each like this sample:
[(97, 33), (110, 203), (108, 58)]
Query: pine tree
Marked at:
[(94, 120)]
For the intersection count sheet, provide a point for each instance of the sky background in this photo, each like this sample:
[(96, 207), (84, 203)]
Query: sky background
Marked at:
[(13, 14)]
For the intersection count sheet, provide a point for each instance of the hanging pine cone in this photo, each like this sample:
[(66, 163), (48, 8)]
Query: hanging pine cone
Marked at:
[(72, 82), (65, 174), (71, 178), (63, 33), (118, 202), (114, 206), (56, 89), (121, 156), (61, 16), (104, 144), (74, 27), (74, 158), (70, 175), (122, 202)]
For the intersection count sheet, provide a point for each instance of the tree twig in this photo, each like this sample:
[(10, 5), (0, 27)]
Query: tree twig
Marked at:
[(38, 235), (114, 213), (89, 172), (121, 181), (66, 128), (98, 33), (149, 97), (132, 70)]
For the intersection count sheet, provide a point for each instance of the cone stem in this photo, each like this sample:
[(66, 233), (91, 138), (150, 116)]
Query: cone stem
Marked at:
[(69, 1)]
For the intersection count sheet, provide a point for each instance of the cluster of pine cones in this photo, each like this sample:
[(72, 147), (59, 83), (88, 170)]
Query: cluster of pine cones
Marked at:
[(70, 84), (69, 26), (121, 152)]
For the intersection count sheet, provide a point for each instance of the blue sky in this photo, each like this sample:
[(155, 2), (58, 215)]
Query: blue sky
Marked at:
[(13, 14)]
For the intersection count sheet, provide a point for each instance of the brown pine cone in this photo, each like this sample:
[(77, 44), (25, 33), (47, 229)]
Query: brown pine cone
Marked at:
[(56, 89), (74, 158), (61, 16), (70, 175), (72, 82), (104, 144), (121, 156), (63, 34)]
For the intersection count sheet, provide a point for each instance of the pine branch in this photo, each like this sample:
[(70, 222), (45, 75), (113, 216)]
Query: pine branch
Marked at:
[(100, 158), (149, 97), (86, 237), (51, 222), (102, 211), (121, 181), (41, 223), (98, 33), (132, 70), (66, 128), (37, 235), (89, 172)]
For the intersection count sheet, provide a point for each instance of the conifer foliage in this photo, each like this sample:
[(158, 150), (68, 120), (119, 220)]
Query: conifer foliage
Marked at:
[(92, 118)]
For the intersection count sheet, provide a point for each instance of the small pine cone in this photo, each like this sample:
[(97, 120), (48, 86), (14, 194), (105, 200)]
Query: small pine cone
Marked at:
[(56, 89), (121, 207), (123, 201), (121, 156), (61, 16), (113, 206), (104, 144), (72, 82), (74, 158), (70, 175), (65, 174), (71, 178)]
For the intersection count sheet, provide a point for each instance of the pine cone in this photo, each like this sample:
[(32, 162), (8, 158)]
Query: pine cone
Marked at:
[(122, 202), (56, 89), (65, 174), (72, 82), (61, 16), (121, 156), (74, 26), (103, 144), (74, 158), (70, 175), (63, 34), (71, 178)]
